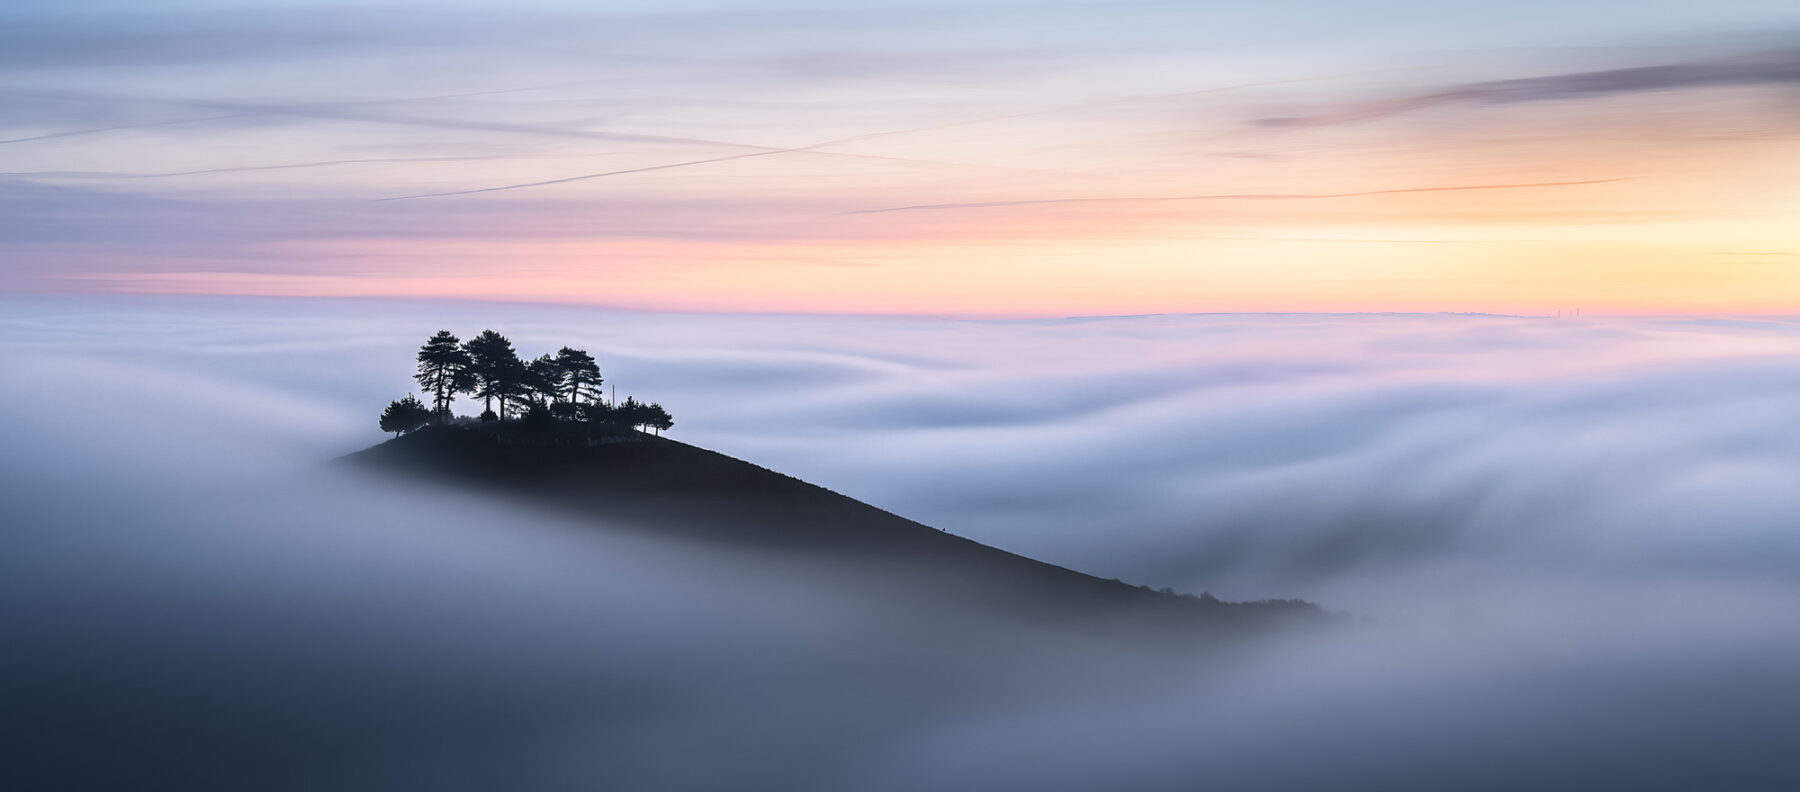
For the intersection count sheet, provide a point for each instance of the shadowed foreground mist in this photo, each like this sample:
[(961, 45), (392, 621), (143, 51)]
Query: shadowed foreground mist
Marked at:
[(1570, 544)]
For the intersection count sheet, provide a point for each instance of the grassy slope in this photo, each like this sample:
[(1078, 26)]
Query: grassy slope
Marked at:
[(670, 487)]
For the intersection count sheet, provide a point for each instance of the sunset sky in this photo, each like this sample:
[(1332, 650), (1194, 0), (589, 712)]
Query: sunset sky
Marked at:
[(1445, 352), (991, 158)]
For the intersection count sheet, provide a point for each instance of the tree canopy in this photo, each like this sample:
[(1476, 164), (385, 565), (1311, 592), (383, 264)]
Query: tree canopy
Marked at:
[(404, 415), (444, 371), (550, 397), (580, 374), (543, 380), (496, 367)]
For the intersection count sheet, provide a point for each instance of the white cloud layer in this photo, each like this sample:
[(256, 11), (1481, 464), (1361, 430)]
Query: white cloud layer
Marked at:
[(1573, 541)]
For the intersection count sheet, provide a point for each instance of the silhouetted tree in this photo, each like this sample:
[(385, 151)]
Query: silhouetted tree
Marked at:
[(599, 412), (633, 413), (443, 371), (539, 391), (495, 366), (543, 380), (405, 415), (512, 384), (658, 418), (580, 374)]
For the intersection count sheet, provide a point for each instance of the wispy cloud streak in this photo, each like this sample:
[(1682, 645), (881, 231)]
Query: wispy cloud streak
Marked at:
[(1236, 196), (249, 168), (1781, 67), (818, 148)]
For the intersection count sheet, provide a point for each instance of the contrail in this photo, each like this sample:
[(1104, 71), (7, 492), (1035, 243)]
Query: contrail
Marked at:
[(339, 111), (817, 148), (1062, 109), (1234, 196), (250, 168), (583, 177), (344, 111), (120, 127)]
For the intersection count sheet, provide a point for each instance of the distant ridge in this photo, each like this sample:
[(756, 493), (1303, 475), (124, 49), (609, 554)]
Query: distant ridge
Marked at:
[(670, 488)]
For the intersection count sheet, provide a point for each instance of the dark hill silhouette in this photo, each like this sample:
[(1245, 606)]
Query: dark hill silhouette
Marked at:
[(660, 485)]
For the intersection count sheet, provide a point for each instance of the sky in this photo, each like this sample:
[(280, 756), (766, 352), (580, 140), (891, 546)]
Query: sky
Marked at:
[(1261, 299), (975, 159)]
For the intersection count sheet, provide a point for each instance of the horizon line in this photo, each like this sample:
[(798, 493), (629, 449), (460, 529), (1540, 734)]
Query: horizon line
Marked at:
[(29, 296)]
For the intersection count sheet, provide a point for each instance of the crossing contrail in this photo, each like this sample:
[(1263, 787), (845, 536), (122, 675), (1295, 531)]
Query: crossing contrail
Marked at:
[(1233, 196)]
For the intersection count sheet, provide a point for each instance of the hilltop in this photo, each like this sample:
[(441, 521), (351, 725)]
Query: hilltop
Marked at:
[(635, 481)]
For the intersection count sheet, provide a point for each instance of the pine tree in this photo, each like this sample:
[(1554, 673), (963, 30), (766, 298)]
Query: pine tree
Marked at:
[(405, 415), (443, 371), (495, 367), (598, 412), (580, 374), (631, 413), (543, 380), (511, 384), (658, 418), (565, 386)]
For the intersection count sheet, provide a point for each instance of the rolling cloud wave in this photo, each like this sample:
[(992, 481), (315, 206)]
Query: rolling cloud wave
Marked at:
[(1571, 542)]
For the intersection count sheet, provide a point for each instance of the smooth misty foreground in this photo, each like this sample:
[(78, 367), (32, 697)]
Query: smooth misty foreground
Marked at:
[(630, 613), (1568, 549), (648, 615)]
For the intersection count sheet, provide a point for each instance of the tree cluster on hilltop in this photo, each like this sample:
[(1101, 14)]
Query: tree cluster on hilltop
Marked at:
[(541, 392)]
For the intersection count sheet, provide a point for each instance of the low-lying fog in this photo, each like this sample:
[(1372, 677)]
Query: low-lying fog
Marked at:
[(1569, 547)]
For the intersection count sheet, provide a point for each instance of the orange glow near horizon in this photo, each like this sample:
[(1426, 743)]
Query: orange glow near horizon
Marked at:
[(1426, 252), (1327, 274), (1651, 204)]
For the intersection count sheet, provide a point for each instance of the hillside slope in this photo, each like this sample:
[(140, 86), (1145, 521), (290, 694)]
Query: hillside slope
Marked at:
[(674, 489)]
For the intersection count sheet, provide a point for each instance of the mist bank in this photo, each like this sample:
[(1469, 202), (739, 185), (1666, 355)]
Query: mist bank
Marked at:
[(1567, 543), (1166, 449), (327, 634)]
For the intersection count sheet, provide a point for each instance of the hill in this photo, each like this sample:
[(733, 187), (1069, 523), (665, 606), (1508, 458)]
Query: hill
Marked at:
[(670, 488)]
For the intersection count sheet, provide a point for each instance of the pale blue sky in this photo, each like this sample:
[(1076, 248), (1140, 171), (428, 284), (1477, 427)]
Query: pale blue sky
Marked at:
[(259, 139)]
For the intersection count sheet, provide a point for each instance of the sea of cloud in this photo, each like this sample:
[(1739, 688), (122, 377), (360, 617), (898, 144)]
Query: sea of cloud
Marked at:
[(1568, 545)]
